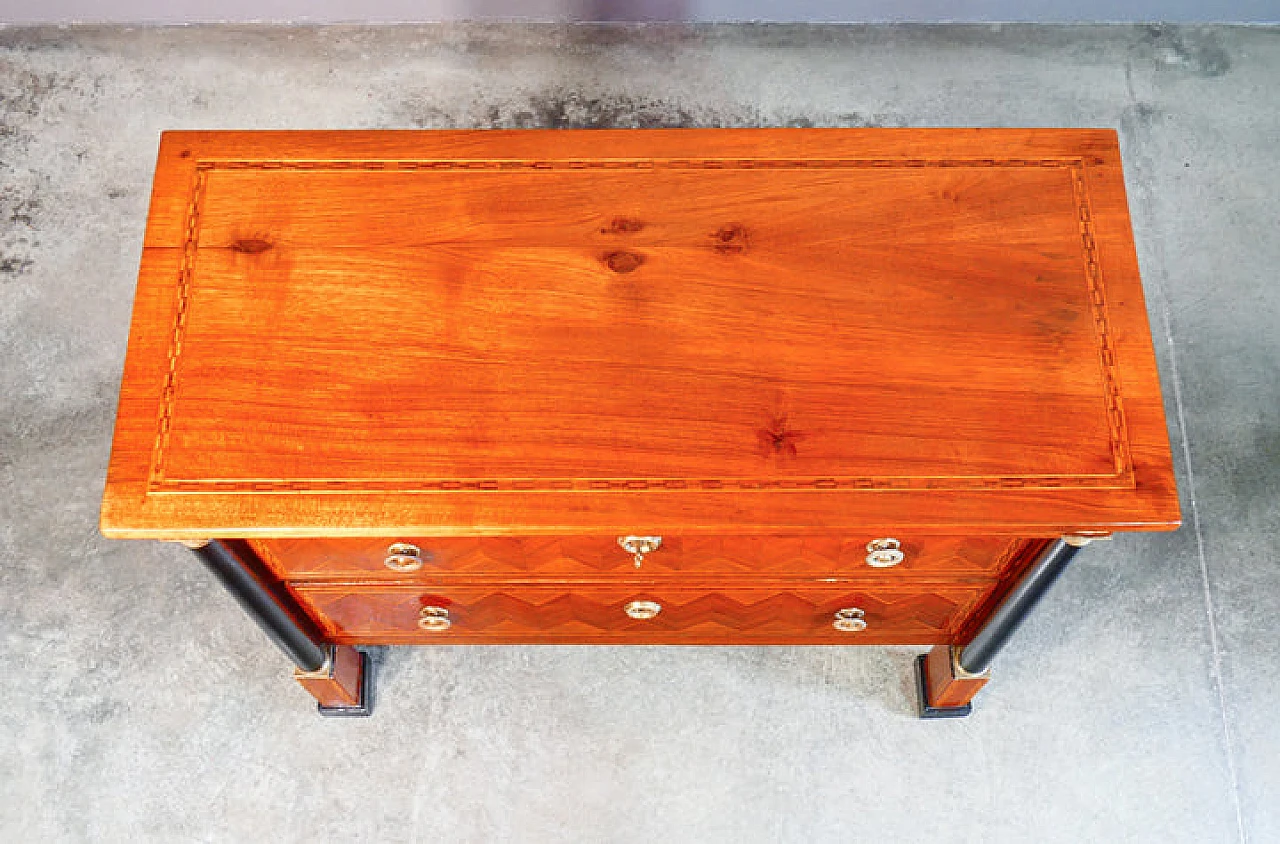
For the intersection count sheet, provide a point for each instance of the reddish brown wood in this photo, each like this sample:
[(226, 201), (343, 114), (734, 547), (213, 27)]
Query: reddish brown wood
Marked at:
[(767, 613), (767, 346), (1011, 571), (716, 333), (576, 558), (341, 687), (944, 687)]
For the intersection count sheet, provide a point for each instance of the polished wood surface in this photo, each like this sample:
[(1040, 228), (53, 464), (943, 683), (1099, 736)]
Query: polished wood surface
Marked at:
[(698, 333), (1012, 569), (342, 686), (767, 613), (594, 557), (943, 687)]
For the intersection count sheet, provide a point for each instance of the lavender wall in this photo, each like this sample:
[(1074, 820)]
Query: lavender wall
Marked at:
[(326, 11)]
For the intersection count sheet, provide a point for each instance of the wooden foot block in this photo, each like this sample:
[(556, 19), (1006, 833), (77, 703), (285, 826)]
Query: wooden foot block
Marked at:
[(342, 686), (946, 689)]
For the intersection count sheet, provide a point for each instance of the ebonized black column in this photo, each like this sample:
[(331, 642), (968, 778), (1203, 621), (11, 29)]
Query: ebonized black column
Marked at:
[(228, 563), (1017, 605), (948, 676)]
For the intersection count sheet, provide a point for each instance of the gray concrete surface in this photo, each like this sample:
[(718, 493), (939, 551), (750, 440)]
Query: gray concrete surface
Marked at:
[(137, 703), (704, 11)]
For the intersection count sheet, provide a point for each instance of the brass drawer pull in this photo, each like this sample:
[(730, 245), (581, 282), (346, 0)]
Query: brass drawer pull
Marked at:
[(642, 609), (849, 620), (434, 619), (639, 546), (401, 556), (883, 553)]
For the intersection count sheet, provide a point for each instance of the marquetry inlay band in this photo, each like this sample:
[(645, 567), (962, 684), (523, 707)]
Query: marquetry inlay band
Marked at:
[(1076, 166)]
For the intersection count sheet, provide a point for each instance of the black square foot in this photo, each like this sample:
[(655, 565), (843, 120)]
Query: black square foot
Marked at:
[(922, 691), (365, 707)]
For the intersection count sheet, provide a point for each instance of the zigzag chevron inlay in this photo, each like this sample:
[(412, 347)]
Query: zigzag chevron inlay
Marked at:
[(514, 610), (567, 557)]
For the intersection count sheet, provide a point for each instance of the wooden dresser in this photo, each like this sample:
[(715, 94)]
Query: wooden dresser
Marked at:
[(684, 387)]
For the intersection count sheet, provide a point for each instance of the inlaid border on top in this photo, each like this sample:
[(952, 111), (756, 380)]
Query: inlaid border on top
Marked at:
[(1122, 477)]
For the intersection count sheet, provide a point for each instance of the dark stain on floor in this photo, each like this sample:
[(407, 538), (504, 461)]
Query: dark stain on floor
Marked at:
[(1188, 48), (562, 108), (574, 110)]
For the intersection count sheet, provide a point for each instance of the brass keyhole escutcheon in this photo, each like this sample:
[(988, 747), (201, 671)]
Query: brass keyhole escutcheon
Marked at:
[(639, 546)]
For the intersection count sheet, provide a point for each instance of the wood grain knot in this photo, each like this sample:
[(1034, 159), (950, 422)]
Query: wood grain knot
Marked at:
[(623, 262), (622, 225), (251, 245), (730, 239), (777, 438)]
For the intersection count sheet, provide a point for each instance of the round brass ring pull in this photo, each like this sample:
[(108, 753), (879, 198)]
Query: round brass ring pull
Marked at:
[(883, 553), (642, 609), (850, 620), (434, 619), (401, 556)]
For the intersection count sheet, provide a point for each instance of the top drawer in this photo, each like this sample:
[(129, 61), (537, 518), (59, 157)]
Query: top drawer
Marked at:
[(593, 556)]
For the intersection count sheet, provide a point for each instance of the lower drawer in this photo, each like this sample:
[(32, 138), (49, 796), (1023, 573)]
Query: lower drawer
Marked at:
[(785, 613)]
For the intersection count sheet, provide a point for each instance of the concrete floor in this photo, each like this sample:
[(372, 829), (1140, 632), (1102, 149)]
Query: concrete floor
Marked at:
[(138, 702)]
